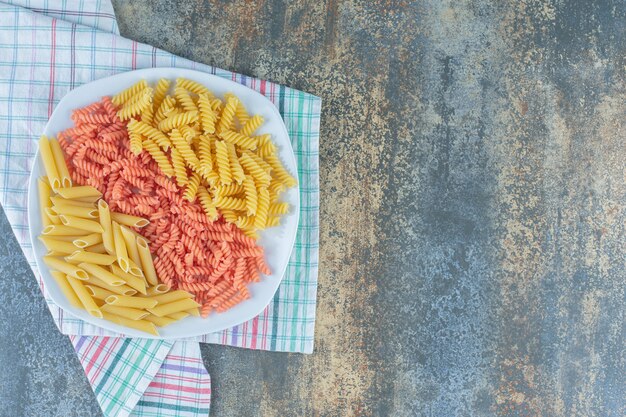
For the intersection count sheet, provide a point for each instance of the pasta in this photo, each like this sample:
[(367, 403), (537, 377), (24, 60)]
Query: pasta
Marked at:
[(84, 297), (61, 230), (98, 248), (142, 325), (66, 288), (131, 280), (102, 274), (132, 251), (235, 166), (185, 100), (134, 302), (184, 172), (179, 120), (207, 115), (129, 220), (98, 292), (60, 201), (251, 125), (120, 247), (117, 289), (223, 162), (173, 307), (79, 192), (185, 150), (127, 312), (52, 216), (84, 212), (49, 163), (59, 162), (67, 268), (107, 228), (44, 200), (82, 224), (179, 168), (193, 86), (122, 97), (90, 257), (146, 261)]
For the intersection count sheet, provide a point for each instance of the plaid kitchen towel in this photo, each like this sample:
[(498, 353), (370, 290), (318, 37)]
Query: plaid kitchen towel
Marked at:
[(49, 47)]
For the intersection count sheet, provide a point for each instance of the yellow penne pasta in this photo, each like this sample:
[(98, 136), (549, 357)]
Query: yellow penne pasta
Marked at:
[(131, 249), (135, 269), (84, 212), (84, 297), (160, 321), (99, 292), (99, 248), (179, 315), (142, 325), (128, 312), (147, 263), (130, 279), (92, 200), (105, 222), (60, 201), (171, 296), (67, 238), (44, 200), (79, 223), (52, 216), (102, 274), (66, 288), (128, 220), (134, 302), (157, 289), (120, 289), (61, 230), (90, 257), (67, 268), (193, 312), (87, 240), (82, 191), (176, 306), (57, 245), (59, 161), (48, 163), (120, 247)]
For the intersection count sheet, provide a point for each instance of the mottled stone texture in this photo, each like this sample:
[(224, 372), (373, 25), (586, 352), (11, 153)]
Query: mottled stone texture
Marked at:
[(473, 210)]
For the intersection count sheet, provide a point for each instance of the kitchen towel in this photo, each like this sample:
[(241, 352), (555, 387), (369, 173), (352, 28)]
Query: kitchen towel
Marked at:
[(46, 49)]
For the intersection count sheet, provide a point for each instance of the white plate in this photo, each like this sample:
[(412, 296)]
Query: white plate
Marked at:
[(277, 242)]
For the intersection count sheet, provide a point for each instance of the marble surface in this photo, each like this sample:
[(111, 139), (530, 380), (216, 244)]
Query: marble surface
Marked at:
[(472, 220)]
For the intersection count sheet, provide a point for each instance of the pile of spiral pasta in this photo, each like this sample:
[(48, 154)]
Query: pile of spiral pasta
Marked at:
[(187, 162)]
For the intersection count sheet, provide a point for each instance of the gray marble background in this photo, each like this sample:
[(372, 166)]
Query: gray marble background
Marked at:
[(473, 211)]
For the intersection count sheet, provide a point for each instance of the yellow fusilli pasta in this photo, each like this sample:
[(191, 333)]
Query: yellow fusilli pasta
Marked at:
[(262, 208), (158, 155), (235, 166), (207, 115), (236, 138), (192, 187), (251, 195), (178, 120), (207, 203), (122, 97), (193, 86), (184, 99), (179, 167), (185, 150), (251, 125), (223, 162)]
